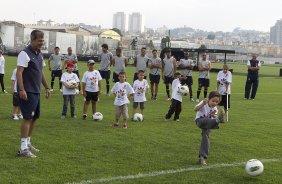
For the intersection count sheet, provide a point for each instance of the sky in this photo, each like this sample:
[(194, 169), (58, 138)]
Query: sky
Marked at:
[(208, 15)]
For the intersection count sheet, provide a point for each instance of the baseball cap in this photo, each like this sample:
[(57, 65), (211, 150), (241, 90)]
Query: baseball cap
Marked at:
[(70, 65), (91, 62)]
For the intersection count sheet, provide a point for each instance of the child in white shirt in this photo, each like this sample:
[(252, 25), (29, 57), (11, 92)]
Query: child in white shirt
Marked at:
[(208, 117), (140, 87), (224, 80), (121, 90)]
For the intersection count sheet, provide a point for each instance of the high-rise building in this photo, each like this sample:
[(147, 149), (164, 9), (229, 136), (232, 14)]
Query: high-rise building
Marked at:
[(120, 21), (276, 33), (135, 23)]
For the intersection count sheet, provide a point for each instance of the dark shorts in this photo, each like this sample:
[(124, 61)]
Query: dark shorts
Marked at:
[(142, 105), (223, 101), (56, 73), (168, 80), (115, 77), (91, 96), (16, 100), (188, 81), (105, 74), (204, 82), (154, 78), (136, 77), (77, 73), (31, 107)]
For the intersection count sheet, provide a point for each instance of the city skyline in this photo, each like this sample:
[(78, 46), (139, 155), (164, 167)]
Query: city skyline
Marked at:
[(205, 15)]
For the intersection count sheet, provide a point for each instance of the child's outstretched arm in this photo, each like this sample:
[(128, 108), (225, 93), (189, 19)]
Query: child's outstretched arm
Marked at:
[(201, 104)]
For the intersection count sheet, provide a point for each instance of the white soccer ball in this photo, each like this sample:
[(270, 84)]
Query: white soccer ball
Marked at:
[(97, 116), (138, 117), (184, 90), (71, 82), (254, 167)]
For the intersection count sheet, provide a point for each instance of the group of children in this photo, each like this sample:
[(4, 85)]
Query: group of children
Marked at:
[(208, 116)]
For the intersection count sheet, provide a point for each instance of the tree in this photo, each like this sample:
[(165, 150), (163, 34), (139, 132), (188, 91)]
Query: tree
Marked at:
[(202, 47)]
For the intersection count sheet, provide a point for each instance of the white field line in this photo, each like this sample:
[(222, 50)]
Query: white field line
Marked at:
[(166, 172)]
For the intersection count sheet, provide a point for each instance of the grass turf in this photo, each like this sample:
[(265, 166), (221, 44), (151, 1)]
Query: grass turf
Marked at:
[(76, 150)]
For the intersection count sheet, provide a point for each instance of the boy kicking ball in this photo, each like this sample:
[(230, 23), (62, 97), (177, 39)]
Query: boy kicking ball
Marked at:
[(208, 117), (121, 90), (140, 88)]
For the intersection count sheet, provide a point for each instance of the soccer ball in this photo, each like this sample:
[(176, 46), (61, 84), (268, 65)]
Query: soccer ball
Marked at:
[(71, 82), (254, 167), (97, 116), (138, 117), (184, 90)]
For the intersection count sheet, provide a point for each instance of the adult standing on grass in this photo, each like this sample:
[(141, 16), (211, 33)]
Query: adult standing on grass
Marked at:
[(204, 76), (56, 68), (168, 70), (140, 62), (252, 77), (155, 65), (106, 59), (2, 71), (30, 76)]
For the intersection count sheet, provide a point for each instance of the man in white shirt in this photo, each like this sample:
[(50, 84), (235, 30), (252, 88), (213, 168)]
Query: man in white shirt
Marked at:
[(204, 76), (186, 68), (2, 71)]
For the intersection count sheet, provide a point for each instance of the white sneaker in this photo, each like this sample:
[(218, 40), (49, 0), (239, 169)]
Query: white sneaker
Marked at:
[(192, 100), (31, 148), (51, 90), (15, 117), (5, 92), (20, 116), (61, 90), (26, 153), (168, 99), (197, 100)]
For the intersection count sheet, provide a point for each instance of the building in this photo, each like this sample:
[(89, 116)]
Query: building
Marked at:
[(120, 21), (276, 33), (135, 23)]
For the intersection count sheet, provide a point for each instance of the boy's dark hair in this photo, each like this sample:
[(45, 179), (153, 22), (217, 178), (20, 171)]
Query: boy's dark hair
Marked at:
[(118, 49), (143, 48), (214, 94), (167, 51), (140, 71), (121, 73), (176, 74), (57, 47), (154, 50), (105, 46)]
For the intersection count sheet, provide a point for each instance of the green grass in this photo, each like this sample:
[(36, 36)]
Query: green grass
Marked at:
[(76, 150)]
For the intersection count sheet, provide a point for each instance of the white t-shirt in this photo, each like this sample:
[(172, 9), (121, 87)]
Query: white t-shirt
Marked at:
[(2, 64), (122, 90), (23, 60), (67, 77), (185, 63), (204, 74), (91, 80), (14, 78), (224, 78), (175, 90), (206, 111), (140, 88)]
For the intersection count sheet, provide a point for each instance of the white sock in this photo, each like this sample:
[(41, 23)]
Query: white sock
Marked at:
[(28, 140), (23, 143)]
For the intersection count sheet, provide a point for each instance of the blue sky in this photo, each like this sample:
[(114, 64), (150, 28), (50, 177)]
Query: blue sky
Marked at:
[(210, 15)]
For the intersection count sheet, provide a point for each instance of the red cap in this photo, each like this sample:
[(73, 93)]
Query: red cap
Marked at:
[(70, 65)]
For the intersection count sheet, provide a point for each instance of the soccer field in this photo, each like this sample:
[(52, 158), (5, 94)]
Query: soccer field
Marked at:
[(154, 151)]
